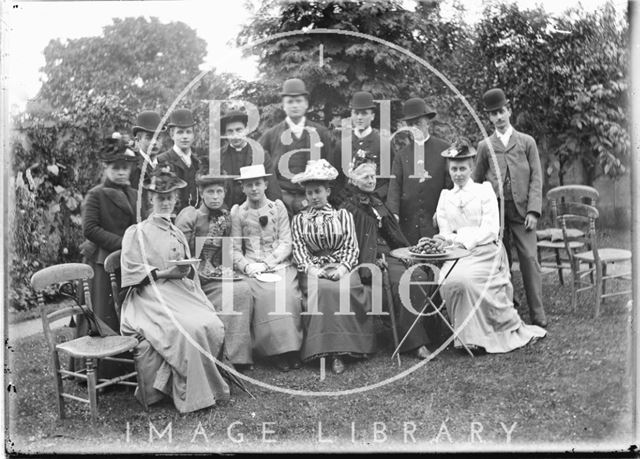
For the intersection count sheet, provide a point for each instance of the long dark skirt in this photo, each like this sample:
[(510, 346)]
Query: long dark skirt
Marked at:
[(331, 333)]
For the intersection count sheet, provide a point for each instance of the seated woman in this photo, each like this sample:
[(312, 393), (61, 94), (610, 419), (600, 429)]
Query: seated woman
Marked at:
[(213, 222), (168, 308), (378, 232), (325, 248), (262, 243), (478, 292)]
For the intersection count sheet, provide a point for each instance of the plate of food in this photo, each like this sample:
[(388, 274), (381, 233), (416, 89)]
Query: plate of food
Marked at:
[(219, 273), (429, 248), (184, 262), (268, 277)]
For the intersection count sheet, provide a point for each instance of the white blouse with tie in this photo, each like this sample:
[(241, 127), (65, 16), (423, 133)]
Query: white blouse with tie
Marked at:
[(469, 215)]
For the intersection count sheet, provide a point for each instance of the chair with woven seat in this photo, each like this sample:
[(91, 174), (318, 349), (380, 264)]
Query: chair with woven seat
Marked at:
[(597, 259), (90, 348), (551, 239)]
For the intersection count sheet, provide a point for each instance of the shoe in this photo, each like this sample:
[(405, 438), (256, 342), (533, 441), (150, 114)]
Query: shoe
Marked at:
[(540, 323), (243, 367), (337, 366), (422, 353), (281, 364), (294, 362)]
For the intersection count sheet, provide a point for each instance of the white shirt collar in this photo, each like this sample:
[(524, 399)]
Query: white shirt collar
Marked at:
[(504, 138), (457, 189), (363, 134), (422, 141), (298, 128), (185, 157)]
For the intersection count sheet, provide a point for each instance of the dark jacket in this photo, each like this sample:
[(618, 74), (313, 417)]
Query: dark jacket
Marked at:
[(108, 210), (522, 160), (414, 201), (230, 163), (188, 195), (371, 144), (271, 141)]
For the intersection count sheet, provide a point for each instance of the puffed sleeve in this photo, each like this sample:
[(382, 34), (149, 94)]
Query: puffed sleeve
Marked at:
[(239, 261), (92, 226), (301, 254), (186, 222), (283, 237), (441, 216), (132, 262), (348, 251), (472, 236)]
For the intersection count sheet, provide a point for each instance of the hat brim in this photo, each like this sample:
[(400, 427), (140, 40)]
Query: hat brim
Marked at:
[(497, 106), (429, 115), (137, 129), (465, 156), (232, 119), (171, 125), (211, 179), (115, 159), (294, 94), (179, 183), (242, 179)]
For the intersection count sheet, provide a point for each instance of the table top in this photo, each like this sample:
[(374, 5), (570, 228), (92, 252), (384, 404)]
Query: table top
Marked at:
[(456, 253)]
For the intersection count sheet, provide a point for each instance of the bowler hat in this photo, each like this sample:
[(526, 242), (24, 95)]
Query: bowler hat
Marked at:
[(252, 172), (460, 149), (233, 115), (494, 99), (181, 118), (116, 148), (147, 121), (163, 180), (415, 108), (294, 87), (362, 100)]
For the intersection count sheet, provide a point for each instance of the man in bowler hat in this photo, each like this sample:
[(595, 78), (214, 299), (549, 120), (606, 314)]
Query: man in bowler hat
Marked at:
[(147, 122), (420, 175), (303, 134), (414, 192), (521, 176), (237, 154), (181, 157)]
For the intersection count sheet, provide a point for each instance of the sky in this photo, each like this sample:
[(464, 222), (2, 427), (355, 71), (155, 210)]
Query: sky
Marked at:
[(27, 28)]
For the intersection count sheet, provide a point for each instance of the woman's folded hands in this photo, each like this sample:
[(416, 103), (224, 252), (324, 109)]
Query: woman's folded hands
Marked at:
[(174, 272)]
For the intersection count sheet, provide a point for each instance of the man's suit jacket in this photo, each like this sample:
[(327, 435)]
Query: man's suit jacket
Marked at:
[(522, 159), (108, 210), (271, 142), (415, 202), (189, 194)]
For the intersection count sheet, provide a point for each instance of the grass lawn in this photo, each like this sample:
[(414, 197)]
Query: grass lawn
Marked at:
[(569, 390)]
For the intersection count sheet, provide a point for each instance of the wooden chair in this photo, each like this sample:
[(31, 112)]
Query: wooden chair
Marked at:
[(90, 348), (597, 259), (112, 266), (550, 239)]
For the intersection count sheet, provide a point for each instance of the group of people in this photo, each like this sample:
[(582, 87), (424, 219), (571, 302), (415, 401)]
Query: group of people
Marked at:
[(296, 283)]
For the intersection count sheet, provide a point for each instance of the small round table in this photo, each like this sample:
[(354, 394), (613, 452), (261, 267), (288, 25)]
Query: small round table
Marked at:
[(454, 255)]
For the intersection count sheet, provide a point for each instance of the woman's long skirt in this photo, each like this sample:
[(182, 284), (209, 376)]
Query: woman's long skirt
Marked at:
[(181, 325), (235, 309), (331, 332), (276, 314), (479, 298)]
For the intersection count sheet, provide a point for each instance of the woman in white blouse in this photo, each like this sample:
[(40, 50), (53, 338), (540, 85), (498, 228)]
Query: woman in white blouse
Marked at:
[(478, 292)]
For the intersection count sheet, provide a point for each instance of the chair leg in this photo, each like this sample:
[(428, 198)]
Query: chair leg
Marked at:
[(574, 286), (59, 386), (604, 273), (559, 265), (598, 288), (140, 378), (91, 387)]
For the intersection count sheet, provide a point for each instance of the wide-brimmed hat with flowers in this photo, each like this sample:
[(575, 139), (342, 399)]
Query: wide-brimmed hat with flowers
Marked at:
[(460, 149), (117, 148), (318, 170), (163, 180)]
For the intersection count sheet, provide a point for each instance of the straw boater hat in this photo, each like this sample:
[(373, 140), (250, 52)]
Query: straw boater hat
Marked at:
[(163, 180), (252, 172), (181, 118), (461, 149), (116, 148), (316, 171), (147, 121)]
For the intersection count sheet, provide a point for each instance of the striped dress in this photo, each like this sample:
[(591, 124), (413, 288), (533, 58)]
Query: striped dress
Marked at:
[(326, 237)]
